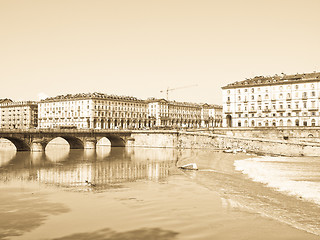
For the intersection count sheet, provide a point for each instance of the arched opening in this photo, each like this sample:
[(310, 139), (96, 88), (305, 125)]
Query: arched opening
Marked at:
[(8, 151), (281, 122), (75, 143), (57, 150), (116, 141), (103, 142), (229, 120), (58, 144), (313, 122), (19, 144), (103, 148), (252, 123), (289, 123), (297, 122)]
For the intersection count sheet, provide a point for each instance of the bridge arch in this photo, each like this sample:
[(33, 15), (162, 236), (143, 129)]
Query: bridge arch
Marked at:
[(20, 144), (74, 142), (116, 141)]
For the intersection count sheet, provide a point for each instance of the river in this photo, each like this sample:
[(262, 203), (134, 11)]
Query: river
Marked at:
[(140, 193)]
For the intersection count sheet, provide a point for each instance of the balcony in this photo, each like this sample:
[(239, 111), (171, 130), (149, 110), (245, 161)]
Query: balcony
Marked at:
[(252, 111), (313, 109), (266, 110), (289, 99), (281, 110), (296, 110)]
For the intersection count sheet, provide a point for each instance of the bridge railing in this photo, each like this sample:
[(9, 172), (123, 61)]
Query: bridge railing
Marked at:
[(53, 130)]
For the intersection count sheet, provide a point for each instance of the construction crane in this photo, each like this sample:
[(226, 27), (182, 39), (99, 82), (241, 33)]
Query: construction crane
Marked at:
[(172, 89)]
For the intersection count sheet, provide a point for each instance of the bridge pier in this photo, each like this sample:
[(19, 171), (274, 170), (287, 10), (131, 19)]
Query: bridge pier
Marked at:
[(90, 143), (38, 145)]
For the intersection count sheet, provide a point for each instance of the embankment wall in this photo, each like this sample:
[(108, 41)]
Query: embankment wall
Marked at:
[(215, 141)]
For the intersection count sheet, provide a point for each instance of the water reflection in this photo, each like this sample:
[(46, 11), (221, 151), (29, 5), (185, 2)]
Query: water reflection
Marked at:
[(6, 156), (102, 168), (103, 152)]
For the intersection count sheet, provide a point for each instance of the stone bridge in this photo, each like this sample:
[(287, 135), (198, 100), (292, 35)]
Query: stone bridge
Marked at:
[(37, 139)]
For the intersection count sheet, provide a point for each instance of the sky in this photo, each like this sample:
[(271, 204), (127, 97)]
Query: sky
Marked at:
[(140, 47)]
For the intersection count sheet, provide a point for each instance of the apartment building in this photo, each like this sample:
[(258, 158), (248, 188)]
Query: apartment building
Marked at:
[(183, 114), (280, 100), (93, 110), (21, 115), (102, 111)]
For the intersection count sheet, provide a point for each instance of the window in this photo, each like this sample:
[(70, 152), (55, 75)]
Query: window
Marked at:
[(304, 95)]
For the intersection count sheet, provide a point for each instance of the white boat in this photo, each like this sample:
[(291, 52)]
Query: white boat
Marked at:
[(190, 166)]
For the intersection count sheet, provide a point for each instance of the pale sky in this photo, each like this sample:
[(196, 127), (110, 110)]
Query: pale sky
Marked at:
[(140, 47)]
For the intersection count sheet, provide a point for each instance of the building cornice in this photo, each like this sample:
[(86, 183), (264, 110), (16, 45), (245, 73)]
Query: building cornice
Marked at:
[(275, 80)]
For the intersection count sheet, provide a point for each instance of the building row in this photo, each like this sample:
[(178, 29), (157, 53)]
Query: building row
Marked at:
[(280, 100), (102, 111)]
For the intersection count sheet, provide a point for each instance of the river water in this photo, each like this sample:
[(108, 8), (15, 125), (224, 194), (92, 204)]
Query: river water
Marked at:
[(140, 193)]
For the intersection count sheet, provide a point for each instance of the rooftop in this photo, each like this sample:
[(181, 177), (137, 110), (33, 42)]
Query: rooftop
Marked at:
[(94, 95), (276, 79)]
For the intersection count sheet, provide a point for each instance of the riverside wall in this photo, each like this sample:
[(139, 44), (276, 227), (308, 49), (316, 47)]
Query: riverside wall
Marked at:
[(293, 134), (182, 140)]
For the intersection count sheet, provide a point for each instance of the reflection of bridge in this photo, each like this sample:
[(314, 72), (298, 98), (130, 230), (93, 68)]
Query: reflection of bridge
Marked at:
[(37, 140), (120, 166)]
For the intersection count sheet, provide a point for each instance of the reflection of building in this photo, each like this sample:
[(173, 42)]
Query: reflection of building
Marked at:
[(101, 111), (102, 173), (22, 115), (286, 100)]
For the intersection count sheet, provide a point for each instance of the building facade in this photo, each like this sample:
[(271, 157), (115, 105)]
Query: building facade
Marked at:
[(174, 114), (93, 110), (285, 100), (102, 111), (21, 115)]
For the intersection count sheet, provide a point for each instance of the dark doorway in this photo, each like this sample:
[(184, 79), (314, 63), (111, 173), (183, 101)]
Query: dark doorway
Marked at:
[(229, 121)]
